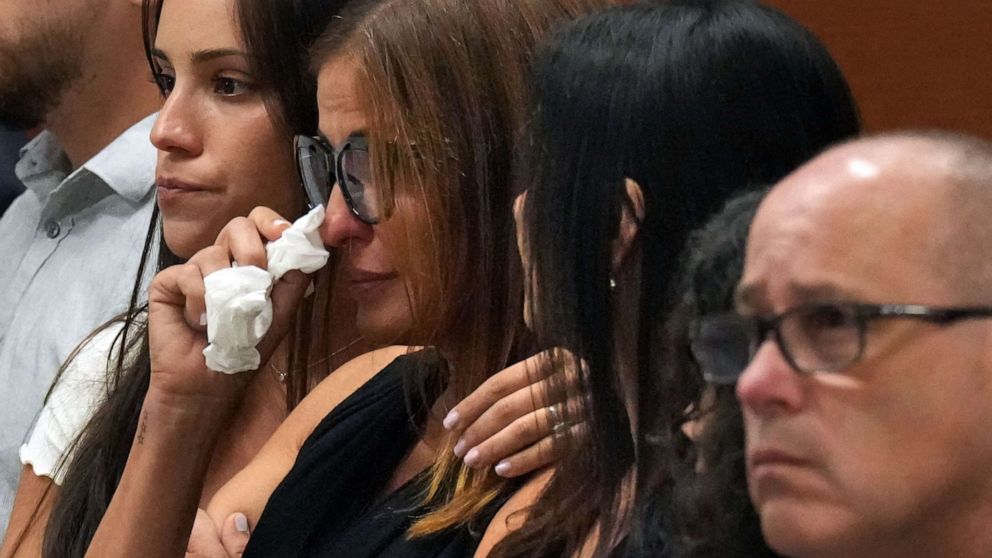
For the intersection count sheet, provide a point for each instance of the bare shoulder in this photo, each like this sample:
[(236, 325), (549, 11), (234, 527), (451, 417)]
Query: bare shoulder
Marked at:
[(514, 512), (335, 388), (249, 490)]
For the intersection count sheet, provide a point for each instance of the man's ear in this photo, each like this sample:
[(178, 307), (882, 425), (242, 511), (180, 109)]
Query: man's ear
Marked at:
[(631, 217)]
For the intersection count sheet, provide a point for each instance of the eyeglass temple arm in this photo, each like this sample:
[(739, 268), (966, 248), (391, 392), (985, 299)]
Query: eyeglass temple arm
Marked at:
[(939, 315)]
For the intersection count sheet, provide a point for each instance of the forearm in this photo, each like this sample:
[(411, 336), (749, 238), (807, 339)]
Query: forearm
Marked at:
[(152, 511)]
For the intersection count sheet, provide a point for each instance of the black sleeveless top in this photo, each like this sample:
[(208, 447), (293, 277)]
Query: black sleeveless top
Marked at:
[(331, 504)]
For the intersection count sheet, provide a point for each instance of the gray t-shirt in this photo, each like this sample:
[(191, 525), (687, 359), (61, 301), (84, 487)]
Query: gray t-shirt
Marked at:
[(69, 253)]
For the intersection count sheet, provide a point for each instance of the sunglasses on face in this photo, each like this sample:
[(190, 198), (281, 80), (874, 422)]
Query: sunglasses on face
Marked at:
[(321, 167)]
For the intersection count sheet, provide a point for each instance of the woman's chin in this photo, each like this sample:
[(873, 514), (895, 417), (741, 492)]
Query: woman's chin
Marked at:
[(380, 328), (184, 246)]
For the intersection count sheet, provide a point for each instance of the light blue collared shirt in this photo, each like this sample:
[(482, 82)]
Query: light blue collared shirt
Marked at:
[(69, 252)]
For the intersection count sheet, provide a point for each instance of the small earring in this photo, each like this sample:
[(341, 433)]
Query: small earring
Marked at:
[(613, 284)]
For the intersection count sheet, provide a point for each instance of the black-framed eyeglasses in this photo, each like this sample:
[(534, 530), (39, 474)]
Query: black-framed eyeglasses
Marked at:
[(321, 166), (811, 337)]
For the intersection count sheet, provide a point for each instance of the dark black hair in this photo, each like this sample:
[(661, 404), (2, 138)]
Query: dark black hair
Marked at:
[(695, 100), (278, 34)]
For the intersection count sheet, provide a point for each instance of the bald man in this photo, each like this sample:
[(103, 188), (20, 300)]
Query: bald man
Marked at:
[(867, 401)]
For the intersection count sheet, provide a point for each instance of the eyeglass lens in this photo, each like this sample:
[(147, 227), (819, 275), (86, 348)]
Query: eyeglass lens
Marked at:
[(821, 338), (351, 171), (816, 338), (357, 180), (721, 346), (314, 170)]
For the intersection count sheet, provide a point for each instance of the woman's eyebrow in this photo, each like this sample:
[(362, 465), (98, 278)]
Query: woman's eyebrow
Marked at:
[(215, 53), (201, 56)]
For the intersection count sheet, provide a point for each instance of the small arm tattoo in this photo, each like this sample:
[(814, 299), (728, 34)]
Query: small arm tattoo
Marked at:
[(142, 428)]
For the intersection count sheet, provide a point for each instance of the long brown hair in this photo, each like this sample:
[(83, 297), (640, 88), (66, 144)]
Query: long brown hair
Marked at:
[(316, 345), (444, 88)]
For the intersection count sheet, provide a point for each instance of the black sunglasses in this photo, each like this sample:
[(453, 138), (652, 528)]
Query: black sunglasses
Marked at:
[(321, 166)]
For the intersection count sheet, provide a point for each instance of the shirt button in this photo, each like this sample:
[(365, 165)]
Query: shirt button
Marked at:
[(52, 229)]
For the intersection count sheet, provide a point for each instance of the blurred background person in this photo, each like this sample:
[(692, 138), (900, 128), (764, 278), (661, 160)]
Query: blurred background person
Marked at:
[(710, 513), (70, 242)]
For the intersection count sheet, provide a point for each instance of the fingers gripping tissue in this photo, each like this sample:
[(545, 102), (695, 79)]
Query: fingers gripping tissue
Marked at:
[(239, 313), (239, 310)]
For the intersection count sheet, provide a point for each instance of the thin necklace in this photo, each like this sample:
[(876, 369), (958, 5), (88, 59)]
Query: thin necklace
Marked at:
[(281, 375)]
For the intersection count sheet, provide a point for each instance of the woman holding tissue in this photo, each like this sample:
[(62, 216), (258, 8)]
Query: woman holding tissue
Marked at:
[(421, 102), (221, 134), (225, 146)]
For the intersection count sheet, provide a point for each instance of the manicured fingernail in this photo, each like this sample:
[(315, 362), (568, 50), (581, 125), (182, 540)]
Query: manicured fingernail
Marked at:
[(241, 523), (503, 467), (472, 457), (450, 420), (460, 448), (203, 319), (281, 223)]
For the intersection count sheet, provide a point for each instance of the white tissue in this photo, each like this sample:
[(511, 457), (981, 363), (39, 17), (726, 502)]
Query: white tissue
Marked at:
[(239, 313), (239, 310), (299, 247)]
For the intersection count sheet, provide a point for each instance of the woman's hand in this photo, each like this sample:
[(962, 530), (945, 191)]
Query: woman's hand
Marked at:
[(207, 542), (512, 419), (177, 312), (187, 405)]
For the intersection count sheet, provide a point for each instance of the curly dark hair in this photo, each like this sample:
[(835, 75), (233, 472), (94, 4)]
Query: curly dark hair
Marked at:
[(702, 502)]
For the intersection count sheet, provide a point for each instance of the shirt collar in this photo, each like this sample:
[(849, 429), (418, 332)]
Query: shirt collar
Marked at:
[(127, 165), (42, 165)]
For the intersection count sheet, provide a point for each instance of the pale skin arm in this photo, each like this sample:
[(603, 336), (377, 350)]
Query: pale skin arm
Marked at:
[(32, 507)]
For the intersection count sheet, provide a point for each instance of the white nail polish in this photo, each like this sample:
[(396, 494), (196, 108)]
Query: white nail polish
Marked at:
[(502, 468), (460, 448), (281, 223), (472, 457), (203, 319), (241, 523), (451, 420)]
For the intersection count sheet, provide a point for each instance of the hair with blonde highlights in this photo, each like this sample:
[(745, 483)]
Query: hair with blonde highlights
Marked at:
[(445, 93)]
